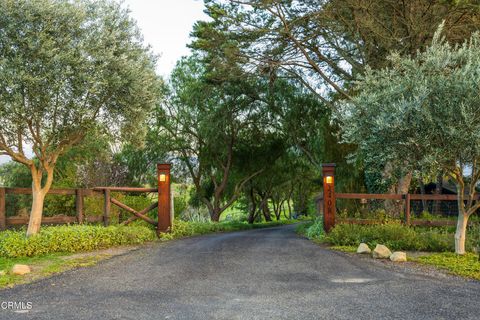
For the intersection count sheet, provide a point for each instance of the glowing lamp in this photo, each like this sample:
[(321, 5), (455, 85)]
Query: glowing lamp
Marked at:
[(163, 177), (328, 179)]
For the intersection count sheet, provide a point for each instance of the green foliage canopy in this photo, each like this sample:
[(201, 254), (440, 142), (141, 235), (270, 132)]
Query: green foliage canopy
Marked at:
[(67, 68), (424, 112)]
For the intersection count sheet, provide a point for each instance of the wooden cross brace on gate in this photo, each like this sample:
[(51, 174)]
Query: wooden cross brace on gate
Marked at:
[(164, 203), (140, 214), (136, 214)]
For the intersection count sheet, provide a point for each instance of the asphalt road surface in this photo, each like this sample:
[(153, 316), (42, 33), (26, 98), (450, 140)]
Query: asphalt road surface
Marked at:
[(260, 274)]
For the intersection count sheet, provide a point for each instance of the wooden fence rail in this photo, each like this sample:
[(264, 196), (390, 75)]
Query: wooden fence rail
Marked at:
[(407, 198), (164, 206), (79, 195), (369, 196), (326, 202)]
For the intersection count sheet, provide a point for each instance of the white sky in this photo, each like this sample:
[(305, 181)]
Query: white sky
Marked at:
[(166, 26)]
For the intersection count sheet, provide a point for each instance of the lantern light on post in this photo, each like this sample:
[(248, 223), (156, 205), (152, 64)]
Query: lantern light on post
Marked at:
[(328, 171), (163, 177)]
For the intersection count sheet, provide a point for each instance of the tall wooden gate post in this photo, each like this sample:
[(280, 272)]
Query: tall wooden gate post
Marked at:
[(164, 201), (328, 172)]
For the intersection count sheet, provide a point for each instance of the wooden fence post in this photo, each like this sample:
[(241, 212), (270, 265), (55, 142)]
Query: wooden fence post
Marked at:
[(106, 207), (407, 209), (3, 210), (329, 205), (79, 205)]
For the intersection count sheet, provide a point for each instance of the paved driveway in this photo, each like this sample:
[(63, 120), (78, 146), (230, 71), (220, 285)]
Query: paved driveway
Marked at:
[(260, 274)]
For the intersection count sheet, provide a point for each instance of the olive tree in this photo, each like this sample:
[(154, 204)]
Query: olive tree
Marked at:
[(424, 111), (66, 68)]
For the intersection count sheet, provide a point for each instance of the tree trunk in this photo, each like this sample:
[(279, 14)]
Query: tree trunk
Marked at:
[(276, 208), (251, 217), (395, 207), (438, 190), (422, 192), (252, 207), (282, 208), (215, 215), (36, 212), (289, 209), (301, 207), (460, 234), (266, 211), (38, 197)]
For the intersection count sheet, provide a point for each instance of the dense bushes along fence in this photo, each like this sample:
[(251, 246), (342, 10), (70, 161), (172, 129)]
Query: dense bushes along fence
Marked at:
[(71, 239), (394, 235)]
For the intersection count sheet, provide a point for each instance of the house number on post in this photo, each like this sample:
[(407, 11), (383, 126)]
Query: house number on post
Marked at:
[(328, 171)]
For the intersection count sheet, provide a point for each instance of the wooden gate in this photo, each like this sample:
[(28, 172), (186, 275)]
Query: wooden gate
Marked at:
[(164, 204)]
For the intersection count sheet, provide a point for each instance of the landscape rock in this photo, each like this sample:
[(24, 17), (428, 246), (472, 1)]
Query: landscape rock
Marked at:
[(398, 256), (363, 248), (20, 269), (381, 252)]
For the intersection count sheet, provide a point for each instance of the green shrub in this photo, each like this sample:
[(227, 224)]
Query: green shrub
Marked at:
[(73, 238), (394, 236), (137, 202), (315, 231), (302, 228)]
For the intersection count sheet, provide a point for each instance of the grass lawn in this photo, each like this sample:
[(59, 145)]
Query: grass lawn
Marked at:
[(348, 249), (466, 265), (43, 266)]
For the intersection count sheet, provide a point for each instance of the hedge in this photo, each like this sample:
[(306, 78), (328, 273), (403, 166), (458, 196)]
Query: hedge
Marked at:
[(394, 235), (73, 238)]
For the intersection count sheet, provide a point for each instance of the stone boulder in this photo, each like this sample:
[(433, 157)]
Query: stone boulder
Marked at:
[(363, 248), (21, 269), (381, 252), (398, 256)]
